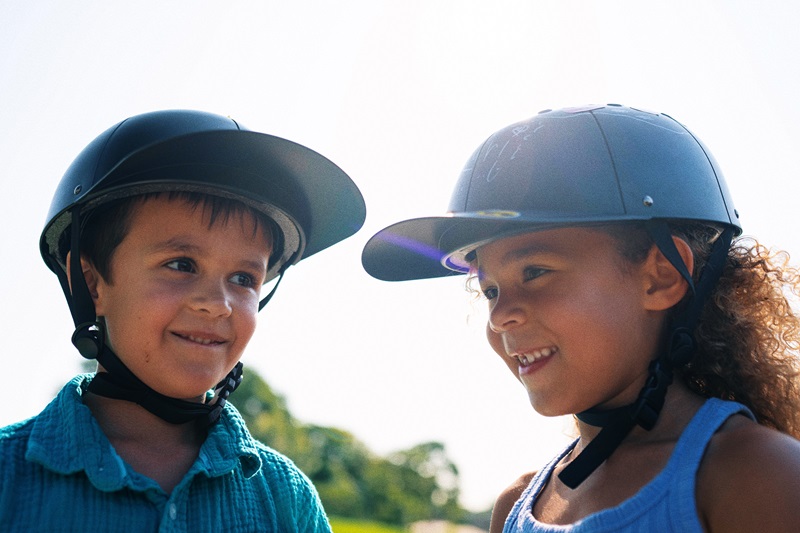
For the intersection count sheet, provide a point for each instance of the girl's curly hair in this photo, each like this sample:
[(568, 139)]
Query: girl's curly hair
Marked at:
[(748, 335)]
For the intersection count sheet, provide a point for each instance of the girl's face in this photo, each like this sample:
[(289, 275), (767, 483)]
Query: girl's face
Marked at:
[(570, 317)]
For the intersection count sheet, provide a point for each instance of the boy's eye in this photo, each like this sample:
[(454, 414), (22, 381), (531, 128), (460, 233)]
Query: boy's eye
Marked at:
[(181, 265), (244, 279)]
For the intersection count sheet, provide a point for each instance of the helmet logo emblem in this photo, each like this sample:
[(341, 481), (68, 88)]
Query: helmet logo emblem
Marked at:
[(497, 213)]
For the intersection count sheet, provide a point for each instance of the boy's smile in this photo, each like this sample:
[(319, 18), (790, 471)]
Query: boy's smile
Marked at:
[(183, 298), (568, 317)]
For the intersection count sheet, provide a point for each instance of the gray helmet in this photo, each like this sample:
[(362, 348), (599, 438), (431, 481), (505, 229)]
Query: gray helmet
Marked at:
[(579, 166), (311, 200), (575, 166)]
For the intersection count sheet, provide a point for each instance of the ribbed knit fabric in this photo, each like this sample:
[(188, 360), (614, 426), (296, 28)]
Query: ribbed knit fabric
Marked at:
[(665, 504), (59, 472)]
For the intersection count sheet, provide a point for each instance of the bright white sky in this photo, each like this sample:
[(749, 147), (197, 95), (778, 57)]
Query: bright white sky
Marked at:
[(399, 94)]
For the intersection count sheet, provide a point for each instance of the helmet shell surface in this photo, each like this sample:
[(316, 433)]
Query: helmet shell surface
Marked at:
[(313, 202), (575, 166)]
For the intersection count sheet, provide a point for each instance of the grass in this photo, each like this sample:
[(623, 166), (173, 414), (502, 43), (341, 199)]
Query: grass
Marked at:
[(348, 525)]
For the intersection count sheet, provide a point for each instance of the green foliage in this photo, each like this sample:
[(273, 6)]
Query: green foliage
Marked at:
[(420, 483), (349, 525)]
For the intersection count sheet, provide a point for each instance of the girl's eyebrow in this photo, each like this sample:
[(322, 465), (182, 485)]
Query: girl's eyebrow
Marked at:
[(527, 251), (519, 253)]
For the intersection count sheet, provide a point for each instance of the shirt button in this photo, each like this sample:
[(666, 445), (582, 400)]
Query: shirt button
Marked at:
[(173, 511)]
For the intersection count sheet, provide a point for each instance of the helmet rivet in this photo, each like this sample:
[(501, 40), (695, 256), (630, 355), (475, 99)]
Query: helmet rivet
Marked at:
[(647, 201), (77, 190)]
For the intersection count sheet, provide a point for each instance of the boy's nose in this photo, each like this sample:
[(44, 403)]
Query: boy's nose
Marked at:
[(212, 297)]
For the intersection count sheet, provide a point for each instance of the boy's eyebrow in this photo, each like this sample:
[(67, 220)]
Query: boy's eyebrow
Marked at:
[(177, 244)]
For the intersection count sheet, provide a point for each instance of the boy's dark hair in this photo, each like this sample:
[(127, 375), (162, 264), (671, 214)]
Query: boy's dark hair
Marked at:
[(106, 226)]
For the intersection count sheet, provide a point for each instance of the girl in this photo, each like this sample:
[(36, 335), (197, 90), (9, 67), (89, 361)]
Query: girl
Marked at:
[(601, 238)]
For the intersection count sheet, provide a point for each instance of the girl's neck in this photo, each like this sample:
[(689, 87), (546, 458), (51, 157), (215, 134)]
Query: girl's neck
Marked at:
[(680, 405)]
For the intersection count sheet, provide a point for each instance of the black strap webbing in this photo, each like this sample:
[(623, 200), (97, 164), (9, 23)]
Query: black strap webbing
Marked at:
[(677, 351)]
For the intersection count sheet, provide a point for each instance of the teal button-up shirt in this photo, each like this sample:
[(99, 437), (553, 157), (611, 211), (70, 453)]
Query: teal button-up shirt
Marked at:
[(59, 472)]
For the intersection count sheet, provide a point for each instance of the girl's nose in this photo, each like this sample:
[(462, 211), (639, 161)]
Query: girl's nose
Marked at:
[(506, 313)]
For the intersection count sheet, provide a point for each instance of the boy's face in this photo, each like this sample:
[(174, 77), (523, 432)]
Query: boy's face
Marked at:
[(184, 298), (571, 321)]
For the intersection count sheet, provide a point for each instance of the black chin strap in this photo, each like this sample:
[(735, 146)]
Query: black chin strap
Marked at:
[(121, 384), (679, 348)]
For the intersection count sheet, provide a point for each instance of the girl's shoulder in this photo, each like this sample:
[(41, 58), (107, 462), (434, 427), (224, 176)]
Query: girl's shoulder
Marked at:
[(505, 502), (749, 479)]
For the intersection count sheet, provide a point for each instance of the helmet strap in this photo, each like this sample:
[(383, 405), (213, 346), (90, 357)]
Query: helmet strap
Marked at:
[(118, 381), (88, 337), (121, 384), (677, 351), (264, 301)]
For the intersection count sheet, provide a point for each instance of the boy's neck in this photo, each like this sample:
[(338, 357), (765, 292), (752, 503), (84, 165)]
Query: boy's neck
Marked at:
[(152, 446)]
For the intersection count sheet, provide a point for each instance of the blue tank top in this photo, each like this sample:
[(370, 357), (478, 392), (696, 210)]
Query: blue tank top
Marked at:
[(666, 503)]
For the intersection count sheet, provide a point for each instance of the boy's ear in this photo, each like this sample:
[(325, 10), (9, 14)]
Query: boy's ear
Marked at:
[(664, 285), (90, 274)]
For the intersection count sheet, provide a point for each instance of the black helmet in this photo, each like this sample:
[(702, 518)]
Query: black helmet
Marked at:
[(312, 201), (578, 166), (583, 165)]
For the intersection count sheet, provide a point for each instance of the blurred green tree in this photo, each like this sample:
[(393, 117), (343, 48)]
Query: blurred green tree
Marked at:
[(420, 483)]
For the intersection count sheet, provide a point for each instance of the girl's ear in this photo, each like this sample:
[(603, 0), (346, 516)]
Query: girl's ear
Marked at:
[(664, 285), (90, 274)]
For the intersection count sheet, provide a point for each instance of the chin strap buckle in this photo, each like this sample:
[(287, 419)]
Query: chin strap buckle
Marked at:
[(224, 389), (648, 405), (88, 338)]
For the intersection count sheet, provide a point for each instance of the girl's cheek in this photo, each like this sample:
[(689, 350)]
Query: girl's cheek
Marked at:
[(495, 341)]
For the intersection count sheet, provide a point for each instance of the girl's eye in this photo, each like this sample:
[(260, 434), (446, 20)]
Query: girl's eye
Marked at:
[(181, 265), (245, 280), (530, 273), (490, 293)]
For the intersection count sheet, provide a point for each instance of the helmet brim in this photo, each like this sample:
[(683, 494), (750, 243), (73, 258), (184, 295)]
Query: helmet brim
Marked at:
[(312, 200), (433, 247)]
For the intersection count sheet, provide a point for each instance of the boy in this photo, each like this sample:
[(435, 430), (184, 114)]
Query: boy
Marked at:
[(162, 233)]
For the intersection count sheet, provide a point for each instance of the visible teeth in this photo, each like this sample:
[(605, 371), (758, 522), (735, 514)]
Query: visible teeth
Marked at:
[(528, 358), (199, 340)]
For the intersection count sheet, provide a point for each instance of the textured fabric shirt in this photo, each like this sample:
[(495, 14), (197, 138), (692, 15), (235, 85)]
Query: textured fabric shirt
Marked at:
[(59, 472), (665, 504)]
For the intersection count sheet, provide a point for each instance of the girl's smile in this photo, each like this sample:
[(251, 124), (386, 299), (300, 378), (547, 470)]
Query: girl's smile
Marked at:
[(569, 317)]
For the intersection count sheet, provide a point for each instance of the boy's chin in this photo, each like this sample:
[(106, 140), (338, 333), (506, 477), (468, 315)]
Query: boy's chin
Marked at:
[(195, 394)]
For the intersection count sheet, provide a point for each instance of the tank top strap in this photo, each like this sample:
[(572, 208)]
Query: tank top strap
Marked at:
[(690, 448), (521, 519)]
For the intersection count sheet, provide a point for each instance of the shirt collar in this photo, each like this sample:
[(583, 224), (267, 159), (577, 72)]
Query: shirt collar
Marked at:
[(66, 439)]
